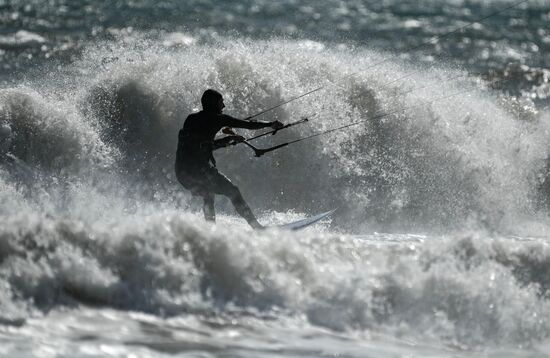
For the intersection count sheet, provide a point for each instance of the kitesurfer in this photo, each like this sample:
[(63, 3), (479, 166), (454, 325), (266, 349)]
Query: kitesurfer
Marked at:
[(195, 164)]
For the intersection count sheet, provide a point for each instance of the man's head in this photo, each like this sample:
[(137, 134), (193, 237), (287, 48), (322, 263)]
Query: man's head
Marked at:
[(212, 101)]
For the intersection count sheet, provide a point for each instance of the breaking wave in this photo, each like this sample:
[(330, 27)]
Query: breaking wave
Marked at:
[(433, 162), (467, 291)]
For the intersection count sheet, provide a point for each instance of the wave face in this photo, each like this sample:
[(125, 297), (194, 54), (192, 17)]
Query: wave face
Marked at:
[(93, 216)]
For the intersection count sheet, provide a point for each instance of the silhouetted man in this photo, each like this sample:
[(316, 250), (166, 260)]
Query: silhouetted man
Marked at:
[(195, 164)]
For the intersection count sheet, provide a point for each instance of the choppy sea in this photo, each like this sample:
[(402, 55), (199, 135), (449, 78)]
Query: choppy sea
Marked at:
[(439, 246)]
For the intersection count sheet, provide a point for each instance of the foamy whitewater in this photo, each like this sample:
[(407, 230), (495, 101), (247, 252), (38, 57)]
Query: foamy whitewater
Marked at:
[(438, 247)]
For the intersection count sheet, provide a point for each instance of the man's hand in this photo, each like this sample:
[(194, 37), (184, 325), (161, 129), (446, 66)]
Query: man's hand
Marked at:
[(228, 140), (276, 125)]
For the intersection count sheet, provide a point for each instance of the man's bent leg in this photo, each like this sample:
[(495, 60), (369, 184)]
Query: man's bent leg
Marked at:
[(243, 209), (221, 185)]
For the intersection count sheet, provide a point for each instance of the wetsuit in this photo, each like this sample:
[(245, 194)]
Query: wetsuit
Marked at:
[(196, 166)]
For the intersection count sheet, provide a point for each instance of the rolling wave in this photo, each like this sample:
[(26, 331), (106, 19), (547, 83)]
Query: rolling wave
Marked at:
[(467, 291)]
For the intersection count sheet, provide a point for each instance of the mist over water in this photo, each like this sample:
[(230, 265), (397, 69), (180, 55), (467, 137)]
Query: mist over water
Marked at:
[(438, 246)]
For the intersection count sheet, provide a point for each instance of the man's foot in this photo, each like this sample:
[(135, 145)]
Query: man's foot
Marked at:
[(256, 225)]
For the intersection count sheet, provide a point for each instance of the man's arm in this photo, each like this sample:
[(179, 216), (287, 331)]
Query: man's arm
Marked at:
[(233, 122)]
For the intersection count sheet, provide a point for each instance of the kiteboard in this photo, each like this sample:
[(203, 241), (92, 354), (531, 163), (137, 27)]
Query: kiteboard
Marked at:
[(303, 223)]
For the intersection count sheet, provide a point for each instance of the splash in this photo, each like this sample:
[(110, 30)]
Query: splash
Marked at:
[(110, 126)]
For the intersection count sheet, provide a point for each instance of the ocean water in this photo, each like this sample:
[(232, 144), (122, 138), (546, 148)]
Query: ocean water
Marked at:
[(439, 246)]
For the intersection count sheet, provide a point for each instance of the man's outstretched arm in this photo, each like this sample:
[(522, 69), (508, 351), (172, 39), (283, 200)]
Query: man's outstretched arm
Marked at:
[(233, 122)]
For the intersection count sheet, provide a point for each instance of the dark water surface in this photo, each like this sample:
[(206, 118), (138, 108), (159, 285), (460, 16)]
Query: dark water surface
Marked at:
[(513, 44)]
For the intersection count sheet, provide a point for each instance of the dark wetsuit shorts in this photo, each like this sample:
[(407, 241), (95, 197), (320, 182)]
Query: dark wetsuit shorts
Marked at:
[(206, 181)]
